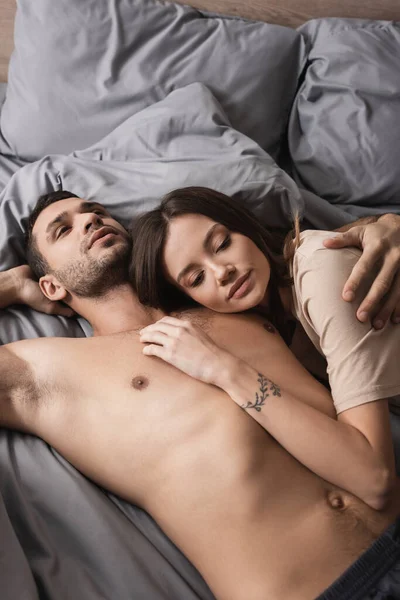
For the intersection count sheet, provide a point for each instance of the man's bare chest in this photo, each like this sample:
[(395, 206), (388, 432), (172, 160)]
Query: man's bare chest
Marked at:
[(114, 369), (109, 381)]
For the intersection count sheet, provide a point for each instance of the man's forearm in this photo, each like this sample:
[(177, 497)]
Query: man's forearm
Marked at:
[(9, 288)]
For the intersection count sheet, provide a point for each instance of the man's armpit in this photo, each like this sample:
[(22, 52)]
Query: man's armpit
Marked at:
[(18, 390)]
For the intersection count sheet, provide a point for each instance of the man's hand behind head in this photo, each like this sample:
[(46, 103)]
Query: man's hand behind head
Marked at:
[(29, 293)]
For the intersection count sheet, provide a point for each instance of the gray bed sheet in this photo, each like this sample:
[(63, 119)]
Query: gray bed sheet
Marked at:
[(63, 538)]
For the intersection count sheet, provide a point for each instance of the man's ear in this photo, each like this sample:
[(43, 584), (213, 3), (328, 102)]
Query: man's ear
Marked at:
[(51, 288)]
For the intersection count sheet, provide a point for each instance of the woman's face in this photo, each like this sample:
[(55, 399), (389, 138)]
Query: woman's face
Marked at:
[(219, 269)]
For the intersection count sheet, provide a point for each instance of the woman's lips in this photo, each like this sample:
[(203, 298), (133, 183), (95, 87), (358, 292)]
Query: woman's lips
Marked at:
[(240, 287)]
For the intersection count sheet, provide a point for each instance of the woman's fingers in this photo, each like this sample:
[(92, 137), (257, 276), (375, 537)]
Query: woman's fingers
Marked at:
[(169, 326), (154, 350), (173, 321), (154, 336)]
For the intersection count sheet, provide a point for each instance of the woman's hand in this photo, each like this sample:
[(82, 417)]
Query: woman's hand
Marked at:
[(186, 347), (380, 243)]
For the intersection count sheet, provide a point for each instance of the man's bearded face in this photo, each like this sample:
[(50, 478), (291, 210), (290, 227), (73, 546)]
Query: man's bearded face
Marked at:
[(86, 249)]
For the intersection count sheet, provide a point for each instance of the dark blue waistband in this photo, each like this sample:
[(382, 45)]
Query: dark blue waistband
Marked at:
[(371, 566)]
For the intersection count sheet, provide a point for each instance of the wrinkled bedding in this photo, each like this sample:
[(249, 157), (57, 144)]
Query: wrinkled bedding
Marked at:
[(112, 59), (344, 129), (62, 537)]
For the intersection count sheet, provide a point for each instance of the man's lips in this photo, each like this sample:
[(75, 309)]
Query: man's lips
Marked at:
[(238, 283), (99, 233)]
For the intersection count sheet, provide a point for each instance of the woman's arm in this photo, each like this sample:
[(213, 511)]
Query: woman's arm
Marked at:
[(354, 452), (296, 410)]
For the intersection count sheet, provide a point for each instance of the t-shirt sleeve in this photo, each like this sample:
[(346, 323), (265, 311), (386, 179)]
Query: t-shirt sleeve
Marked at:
[(363, 364)]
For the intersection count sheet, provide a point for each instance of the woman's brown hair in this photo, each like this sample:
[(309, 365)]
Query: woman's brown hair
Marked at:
[(150, 231)]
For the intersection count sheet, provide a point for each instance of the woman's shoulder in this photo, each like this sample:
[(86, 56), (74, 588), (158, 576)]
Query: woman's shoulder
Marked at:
[(319, 270), (312, 242)]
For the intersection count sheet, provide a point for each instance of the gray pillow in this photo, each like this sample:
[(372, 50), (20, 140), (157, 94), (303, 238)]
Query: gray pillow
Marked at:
[(80, 68), (344, 130)]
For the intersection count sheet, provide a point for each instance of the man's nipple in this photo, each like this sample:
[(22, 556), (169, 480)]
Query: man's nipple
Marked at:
[(140, 382)]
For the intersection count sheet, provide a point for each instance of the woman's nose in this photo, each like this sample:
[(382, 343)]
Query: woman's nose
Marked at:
[(224, 273)]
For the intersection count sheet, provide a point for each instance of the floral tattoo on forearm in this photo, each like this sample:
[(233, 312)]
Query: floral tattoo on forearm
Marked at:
[(266, 388)]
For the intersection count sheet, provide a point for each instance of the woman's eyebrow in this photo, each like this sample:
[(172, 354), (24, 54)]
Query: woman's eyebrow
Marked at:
[(206, 245), (208, 236), (184, 271)]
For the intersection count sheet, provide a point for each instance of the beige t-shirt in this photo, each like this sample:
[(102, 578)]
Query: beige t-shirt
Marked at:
[(363, 364)]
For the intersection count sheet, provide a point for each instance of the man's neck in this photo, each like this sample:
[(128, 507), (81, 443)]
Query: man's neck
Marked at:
[(117, 311)]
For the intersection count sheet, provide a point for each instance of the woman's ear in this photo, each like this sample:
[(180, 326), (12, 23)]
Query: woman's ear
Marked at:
[(52, 289)]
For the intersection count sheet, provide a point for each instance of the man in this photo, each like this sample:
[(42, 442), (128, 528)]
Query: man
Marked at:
[(254, 521)]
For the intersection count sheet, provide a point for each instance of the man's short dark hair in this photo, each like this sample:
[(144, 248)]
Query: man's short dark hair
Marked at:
[(35, 259)]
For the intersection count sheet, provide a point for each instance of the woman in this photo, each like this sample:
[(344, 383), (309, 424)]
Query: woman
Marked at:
[(208, 250)]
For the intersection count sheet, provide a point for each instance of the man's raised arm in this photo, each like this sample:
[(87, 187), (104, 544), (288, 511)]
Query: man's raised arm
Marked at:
[(18, 388), (8, 288), (379, 239), (18, 286)]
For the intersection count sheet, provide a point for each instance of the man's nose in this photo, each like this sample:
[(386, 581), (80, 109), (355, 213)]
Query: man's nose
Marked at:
[(90, 221)]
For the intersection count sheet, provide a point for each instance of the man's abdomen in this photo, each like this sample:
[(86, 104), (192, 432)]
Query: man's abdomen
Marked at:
[(256, 523)]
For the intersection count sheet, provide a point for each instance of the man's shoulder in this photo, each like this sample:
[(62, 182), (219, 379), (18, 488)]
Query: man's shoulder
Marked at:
[(240, 333), (210, 320), (36, 348), (203, 317)]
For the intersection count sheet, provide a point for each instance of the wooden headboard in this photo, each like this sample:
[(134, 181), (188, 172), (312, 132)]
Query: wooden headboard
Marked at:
[(291, 13), (7, 12), (294, 13)]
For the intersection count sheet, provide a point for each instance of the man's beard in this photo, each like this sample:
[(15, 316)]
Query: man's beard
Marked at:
[(94, 278)]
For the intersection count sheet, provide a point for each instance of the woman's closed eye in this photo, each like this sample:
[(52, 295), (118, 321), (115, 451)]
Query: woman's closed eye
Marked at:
[(197, 280), (224, 244)]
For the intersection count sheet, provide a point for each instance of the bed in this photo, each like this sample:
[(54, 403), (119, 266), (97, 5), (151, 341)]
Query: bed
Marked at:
[(306, 74)]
